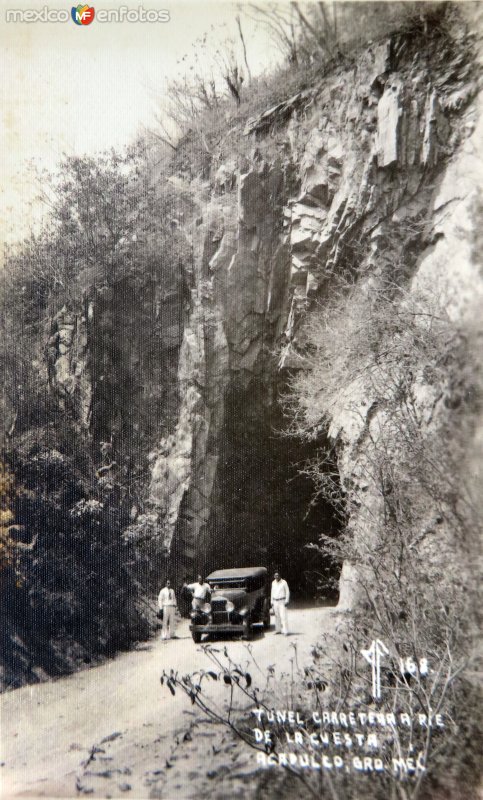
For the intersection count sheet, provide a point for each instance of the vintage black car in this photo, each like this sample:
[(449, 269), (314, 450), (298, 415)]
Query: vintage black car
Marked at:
[(239, 599)]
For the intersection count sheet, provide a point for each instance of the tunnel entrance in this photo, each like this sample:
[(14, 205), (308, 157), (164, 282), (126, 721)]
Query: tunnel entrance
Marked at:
[(262, 513)]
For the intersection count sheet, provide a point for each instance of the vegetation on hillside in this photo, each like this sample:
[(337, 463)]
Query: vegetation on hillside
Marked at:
[(394, 365), (67, 592)]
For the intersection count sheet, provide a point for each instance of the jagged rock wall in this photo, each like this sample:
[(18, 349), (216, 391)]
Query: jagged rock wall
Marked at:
[(444, 264), (238, 301), (344, 178), (112, 361)]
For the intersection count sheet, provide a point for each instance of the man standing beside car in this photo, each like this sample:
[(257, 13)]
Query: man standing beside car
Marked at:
[(279, 600), (201, 592), (167, 602)]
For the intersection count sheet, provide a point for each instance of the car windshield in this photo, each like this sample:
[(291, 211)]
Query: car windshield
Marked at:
[(228, 583)]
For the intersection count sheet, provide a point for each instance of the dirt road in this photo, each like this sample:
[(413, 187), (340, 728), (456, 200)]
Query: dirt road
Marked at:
[(49, 729)]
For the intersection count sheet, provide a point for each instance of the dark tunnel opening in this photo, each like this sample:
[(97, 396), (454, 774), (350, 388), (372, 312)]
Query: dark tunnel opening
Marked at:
[(262, 514)]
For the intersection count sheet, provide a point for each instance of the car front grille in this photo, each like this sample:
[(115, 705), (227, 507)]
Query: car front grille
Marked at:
[(220, 614)]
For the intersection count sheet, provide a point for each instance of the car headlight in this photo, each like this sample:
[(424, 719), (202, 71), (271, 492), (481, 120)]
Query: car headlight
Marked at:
[(206, 608), (229, 606), (243, 612)]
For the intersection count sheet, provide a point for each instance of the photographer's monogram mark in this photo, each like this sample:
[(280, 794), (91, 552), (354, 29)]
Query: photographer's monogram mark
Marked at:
[(373, 655)]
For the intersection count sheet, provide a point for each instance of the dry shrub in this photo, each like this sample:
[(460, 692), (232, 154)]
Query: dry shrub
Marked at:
[(396, 382)]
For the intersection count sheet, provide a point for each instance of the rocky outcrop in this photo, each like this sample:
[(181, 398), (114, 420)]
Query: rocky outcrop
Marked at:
[(185, 466), (135, 330), (237, 304), (340, 181), (112, 363)]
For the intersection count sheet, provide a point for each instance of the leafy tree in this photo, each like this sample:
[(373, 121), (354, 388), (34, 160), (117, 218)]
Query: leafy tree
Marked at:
[(105, 217)]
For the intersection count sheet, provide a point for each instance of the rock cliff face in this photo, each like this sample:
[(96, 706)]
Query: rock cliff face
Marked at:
[(112, 361), (373, 171)]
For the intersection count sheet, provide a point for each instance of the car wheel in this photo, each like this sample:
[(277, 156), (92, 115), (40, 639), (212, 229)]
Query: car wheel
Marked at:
[(196, 636), (247, 628)]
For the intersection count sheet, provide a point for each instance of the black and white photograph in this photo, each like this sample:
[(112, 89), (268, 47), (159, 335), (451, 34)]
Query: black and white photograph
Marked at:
[(241, 461)]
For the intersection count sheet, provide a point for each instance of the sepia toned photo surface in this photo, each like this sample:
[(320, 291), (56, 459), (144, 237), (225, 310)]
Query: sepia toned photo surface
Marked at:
[(241, 459)]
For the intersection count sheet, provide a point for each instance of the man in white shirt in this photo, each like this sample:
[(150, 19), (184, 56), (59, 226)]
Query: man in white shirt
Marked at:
[(167, 601), (201, 592), (279, 599)]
